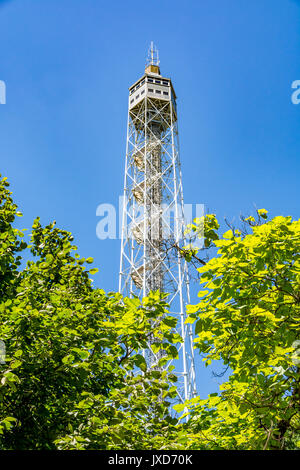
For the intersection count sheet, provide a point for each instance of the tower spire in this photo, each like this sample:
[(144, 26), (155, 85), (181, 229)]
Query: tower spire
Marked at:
[(152, 62), (153, 55)]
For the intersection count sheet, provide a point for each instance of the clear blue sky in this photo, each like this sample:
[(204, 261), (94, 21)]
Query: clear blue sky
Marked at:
[(68, 64)]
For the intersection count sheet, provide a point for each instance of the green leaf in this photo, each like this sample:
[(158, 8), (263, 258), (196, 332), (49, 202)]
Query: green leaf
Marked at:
[(15, 364), (140, 362), (93, 271), (198, 327)]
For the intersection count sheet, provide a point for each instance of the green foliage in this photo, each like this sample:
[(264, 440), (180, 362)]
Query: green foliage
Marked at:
[(74, 377), (204, 227), (248, 317), (10, 240)]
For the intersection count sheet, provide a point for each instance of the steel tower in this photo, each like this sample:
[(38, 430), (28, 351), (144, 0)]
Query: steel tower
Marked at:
[(153, 218)]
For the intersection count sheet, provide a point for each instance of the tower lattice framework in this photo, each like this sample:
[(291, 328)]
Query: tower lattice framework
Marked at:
[(153, 211)]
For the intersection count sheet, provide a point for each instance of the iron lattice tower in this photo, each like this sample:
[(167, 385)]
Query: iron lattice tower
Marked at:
[(153, 218)]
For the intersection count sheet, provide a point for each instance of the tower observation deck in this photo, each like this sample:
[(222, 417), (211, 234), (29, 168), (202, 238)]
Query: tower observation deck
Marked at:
[(153, 216)]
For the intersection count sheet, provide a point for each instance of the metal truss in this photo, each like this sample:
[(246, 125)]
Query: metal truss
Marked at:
[(153, 217)]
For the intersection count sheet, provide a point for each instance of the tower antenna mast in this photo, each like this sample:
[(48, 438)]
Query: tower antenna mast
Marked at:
[(153, 55)]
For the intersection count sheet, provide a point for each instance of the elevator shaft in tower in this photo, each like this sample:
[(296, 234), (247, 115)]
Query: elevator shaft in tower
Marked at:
[(153, 209)]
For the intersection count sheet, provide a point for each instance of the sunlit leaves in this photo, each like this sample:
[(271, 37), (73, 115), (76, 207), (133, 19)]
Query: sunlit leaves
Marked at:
[(74, 376), (249, 317)]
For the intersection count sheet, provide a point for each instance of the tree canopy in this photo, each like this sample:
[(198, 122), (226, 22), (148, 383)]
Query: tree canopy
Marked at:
[(248, 316), (74, 376)]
